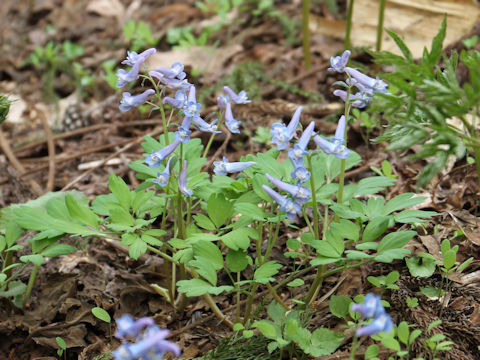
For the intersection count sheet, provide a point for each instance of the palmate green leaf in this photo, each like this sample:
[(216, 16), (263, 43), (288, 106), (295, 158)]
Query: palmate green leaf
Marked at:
[(267, 328), (250, 210), (57, 250), (204, 268), (324, 342), (204, 222), (276, 312), (375, 228), (340, 305), (210, 251), (15, 288), (346, 229), (237, 260), (265, 272), (12, 233), (120, 216), (137, 248), (193, 287), (81, 212), (219, 209), (121, 191), (35, 259), (239, 238)]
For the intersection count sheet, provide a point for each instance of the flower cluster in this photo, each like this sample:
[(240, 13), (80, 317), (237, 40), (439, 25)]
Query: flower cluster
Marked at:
[(225, 102), (372, 308), (149, 339), (366, 85)]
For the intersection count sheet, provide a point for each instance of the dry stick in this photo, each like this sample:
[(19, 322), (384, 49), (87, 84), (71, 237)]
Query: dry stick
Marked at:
[(219, 150), (86, 130), (51, 150), (16, 164), (126, 147)]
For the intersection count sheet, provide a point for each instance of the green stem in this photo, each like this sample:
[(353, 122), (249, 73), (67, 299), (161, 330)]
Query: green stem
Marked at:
[(210, 141), (476, 151), (348, 29), (237, 310), (314, 197), (31, 281), (162, 254), (160, 106), (381, 14), (306, 34), (248, 308), (354, 347)]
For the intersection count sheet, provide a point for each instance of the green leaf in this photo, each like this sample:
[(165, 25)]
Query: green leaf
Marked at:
[(35, 259), (15, 288), (394, 254), (236, 260), (204, 222), (414, 335), (391, 343), (340, 305), (239, 238), (293, 244), (219, 209), (402, 201), (372, 352), (325, 342), (375, 228), (120, 216), (57, 250), (464, 264), (137, 248), (296, 282), (401, 45), (210, 251), (267, 328), (395, 240), (413, 216), (265, 272), (193, 287), (204, 269), (250, 210), (325, 249), (276, 312), (12, 233), (346, 229), (61, 343), (437, 43), (121, 191), (403, 332), (81, 212), (449, 259), (421, 265), (392, 277), (101, 314)]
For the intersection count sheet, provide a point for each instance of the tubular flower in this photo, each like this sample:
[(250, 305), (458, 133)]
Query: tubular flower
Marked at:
[(224, 167), (222, 101), (154, 160), (339, 62), (375, 85), (175, 71), (286, 204), (150, 345), (132, 75), (133, 58), (232, 124), (372, 308), (240, 98), (128, 100), (202, 125), (174, 84), (299, 149), (162, 178), (300, 193), (182, 134), (301, 174), (282, 135), (335, 145), (179, 101), (182, 181), (127, 326), (358, 100)]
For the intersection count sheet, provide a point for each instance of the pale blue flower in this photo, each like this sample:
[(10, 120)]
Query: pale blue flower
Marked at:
[(376, 85), (299, 149), (127, 326), (232, 124), (202, 125), (381, 322), (282, 135), (132, 75), (152, 346), (339, 62), (174, 84), (240, 98), (179, 101), (222, 101), (175, 71), (301, 174), (286, 204), (182, 181), (224, 167), (358, 100), (340, 151), (339, 137), (128, 100), (155, 159), (192, 109), (162, 178), (182, 134), (372, 308), (300, 193), (133, 58)]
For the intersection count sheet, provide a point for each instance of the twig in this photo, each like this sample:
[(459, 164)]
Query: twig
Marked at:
[(219, 150), (16, 164), (51, 150)]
